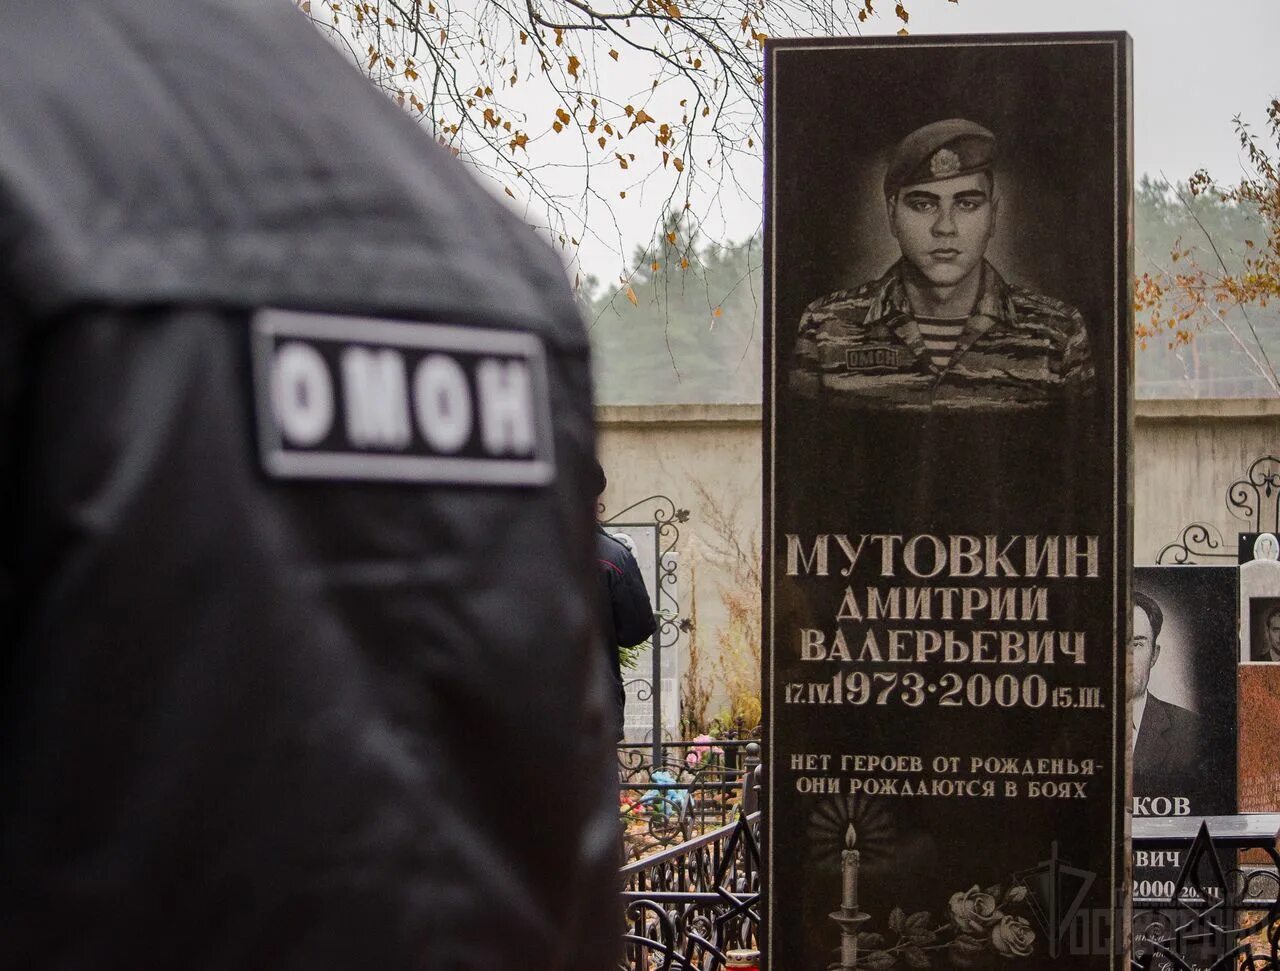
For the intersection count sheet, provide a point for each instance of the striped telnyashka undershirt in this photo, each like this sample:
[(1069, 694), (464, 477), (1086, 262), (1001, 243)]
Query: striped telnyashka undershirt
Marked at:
[(941, 334)]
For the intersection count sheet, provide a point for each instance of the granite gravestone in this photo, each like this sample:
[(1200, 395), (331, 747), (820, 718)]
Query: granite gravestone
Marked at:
[(1182, 705), (947, 530)]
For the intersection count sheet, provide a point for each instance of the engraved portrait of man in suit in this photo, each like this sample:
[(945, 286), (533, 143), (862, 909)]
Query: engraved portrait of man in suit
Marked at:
[(1166, 737)]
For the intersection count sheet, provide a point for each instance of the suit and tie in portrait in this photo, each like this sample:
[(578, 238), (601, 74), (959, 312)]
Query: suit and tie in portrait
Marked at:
[(1167, 738)]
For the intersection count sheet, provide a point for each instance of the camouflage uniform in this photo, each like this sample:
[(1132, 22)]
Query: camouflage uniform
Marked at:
[(1018, 349)]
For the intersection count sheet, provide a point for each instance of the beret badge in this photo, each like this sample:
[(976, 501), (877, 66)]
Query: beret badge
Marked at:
[(944, 163)]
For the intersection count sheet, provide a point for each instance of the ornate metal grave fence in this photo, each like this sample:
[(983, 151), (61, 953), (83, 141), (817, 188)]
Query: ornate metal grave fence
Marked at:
[(1253, 499), (695, 788), (688, 905), (653, 524)]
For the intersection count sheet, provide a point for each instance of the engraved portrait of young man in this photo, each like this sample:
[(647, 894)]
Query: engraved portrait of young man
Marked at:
[(941, 328)]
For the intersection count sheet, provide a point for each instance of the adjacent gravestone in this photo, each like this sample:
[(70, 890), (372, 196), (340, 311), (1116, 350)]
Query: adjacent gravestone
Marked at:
[(1182, 704), (947, 501), (1259, 676)]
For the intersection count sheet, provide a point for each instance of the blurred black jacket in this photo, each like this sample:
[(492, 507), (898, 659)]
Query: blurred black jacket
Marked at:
[(253, 721), (625, 603)]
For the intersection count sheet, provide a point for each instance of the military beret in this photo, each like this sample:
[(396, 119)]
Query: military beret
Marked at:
[(941, 150)]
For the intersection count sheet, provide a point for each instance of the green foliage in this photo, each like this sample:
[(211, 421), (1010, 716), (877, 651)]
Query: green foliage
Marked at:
[(629, 657), (692, 334)]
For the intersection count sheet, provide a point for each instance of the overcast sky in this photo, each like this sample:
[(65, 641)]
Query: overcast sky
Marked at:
[(1196, 65)]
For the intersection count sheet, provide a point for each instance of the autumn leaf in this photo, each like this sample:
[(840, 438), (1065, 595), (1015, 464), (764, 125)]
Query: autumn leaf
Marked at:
[(671, 238), (684, 263), (614, 55), (642, 117), (574, 64), (678, 163), (631, 295), (654, 266), (901, 11), (520, 141), (601, 141), (508, 192), (718, 312), (563, 116)]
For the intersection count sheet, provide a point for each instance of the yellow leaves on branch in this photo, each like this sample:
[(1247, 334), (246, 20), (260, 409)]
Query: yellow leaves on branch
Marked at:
[(520, 141), (574, 65), (641, 117), (631, 295)]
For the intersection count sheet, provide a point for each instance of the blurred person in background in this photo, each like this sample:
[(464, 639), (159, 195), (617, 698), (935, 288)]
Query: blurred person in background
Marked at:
[(625, 604)]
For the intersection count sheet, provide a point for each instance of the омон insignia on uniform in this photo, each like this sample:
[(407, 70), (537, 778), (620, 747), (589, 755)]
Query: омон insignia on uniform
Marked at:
[(872, 357), (345, 398)]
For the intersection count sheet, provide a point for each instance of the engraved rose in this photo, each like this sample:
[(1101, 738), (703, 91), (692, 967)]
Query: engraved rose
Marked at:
[(1012, 937), (973, 911)]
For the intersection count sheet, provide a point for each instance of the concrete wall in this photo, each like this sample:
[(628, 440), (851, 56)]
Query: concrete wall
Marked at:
[(1186, 455), (707, 459)]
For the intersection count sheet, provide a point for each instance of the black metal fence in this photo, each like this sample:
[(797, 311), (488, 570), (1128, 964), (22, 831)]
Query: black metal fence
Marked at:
[(696, 786), (688, 905)]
